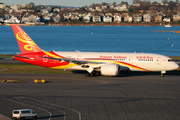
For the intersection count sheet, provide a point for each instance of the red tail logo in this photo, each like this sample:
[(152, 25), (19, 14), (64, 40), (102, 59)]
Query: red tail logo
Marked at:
[(26, 44)]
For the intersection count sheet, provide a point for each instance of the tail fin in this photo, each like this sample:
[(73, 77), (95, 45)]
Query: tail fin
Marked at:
[(26, 44)]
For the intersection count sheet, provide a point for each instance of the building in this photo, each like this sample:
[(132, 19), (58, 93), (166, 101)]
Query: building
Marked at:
[(28, 18), (146, 18), (128, 18), (176, 17), (96, 19), (158, 17), (12, 20), (107, 18), (88, 17), (2, 5), (137, 18), (117, 18)]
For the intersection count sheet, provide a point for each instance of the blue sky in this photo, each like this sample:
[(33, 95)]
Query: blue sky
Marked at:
[(75, 3)]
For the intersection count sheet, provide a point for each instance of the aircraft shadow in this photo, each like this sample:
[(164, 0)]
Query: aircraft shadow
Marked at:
[(135, 73)]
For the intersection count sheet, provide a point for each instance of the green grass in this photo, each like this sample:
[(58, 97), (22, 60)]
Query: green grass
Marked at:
[(175, 57), (6, 56), (27, 68)]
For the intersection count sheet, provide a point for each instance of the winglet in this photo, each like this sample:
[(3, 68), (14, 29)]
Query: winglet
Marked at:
[(26, 44)]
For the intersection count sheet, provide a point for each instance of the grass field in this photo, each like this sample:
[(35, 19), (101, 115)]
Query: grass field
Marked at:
[(27, 68)]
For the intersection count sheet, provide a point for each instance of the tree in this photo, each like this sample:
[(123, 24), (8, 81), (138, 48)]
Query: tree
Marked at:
[(30, 6), (104, 3), (170, 14), (114, 3), (154, 8), (130, 9), (171, 5), (136, 1)]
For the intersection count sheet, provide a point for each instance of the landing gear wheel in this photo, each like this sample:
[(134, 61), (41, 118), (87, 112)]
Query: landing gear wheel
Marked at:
[(87, 74), (162, 75), (97, 73), (92, 74)]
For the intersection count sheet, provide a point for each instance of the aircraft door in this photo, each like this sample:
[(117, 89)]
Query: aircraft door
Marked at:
[(45, 58), (158, 60), (131, 60), (79, 57)]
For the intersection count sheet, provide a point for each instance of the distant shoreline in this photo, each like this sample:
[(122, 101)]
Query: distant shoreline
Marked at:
[(95, 24)]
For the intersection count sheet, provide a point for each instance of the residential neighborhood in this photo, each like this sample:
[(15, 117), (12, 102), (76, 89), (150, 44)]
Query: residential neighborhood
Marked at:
[(138, 12)]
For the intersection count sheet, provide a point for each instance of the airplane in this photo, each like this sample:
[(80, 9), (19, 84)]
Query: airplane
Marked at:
[(95, 63)]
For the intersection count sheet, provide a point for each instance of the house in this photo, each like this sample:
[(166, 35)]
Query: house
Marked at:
[(7, 16), (44, 11), (128, 18), (56, 10), (56, 18), (104, 7), (47, 19), (14, 7), (98, 9), (146, 18), (121, 8), (96, 19), (137, 18), (22, 10), (12, 20), (9, 10), (67, 16), (158, 17), (88, 17), (75, 17), (2, 5), (136, 5), (28, 18), (117, 18), (107, 18), (176, 17)]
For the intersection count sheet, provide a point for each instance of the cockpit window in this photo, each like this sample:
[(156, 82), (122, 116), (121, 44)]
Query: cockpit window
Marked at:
[(169, 60)]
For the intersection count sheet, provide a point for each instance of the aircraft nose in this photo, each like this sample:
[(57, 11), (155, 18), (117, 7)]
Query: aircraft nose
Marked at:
[(176, 66)]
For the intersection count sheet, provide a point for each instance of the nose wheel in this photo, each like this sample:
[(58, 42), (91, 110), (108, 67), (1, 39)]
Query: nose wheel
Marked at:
[(162, 73)]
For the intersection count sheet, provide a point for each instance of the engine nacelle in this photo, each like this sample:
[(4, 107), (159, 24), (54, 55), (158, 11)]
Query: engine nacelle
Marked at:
[(110, 70)]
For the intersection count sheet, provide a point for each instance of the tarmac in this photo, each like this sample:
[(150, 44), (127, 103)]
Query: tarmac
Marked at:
[(76, 97)]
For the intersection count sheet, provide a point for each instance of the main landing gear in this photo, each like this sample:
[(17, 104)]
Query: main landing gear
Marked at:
[(92, 74)]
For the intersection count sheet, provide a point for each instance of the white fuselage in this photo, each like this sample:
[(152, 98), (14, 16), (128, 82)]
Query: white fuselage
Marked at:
[(132, 61)]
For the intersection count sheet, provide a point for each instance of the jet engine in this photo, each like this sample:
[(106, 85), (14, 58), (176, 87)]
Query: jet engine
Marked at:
[(111, 70)]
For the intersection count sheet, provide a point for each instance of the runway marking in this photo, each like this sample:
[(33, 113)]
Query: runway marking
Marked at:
[(30, 106), (58, 106)]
